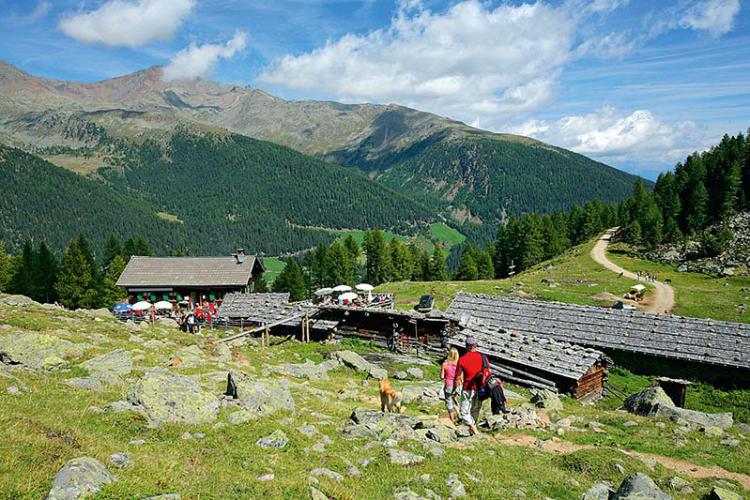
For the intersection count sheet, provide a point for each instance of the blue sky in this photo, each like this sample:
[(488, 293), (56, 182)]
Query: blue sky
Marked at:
[(636, 84)]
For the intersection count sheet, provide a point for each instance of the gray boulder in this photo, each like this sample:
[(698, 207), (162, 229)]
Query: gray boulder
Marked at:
[(266, 397), (191, 357), (166, 323), (639, 486), (167, 397), (323, 472), (655, 402), (357, 362), (277, 439), (457, 488), (441, 434), (543, 398), (119, 460), (79, 478), (599, 491), (166, 496), (38, 351), (415, 372), (86, 383), (105, 369), (308, 370), (18, 301), (718, 493), (401, 457)]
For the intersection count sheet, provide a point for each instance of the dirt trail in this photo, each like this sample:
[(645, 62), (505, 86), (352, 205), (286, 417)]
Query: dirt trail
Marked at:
[(684, 467), (662, 300)]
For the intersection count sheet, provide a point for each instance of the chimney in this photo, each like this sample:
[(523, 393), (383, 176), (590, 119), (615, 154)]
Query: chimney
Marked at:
[(239, 256)]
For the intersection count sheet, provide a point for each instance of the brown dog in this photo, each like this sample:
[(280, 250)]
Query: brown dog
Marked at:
[(389, 398)]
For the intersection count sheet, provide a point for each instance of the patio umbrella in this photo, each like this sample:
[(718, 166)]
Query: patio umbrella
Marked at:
[(323, 291), (122, 308), (364, 287), (348, 296), (342, 288), (163, 304), (142, 305)]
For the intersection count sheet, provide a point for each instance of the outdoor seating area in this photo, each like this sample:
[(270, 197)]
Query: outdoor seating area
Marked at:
[(360, 296)]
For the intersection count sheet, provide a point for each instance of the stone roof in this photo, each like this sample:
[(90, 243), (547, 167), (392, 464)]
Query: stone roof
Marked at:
[(690, 339), (187, 272), (547, 355), (262, 307)]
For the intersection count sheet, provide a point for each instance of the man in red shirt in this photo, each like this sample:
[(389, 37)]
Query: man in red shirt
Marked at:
[(469, 373)]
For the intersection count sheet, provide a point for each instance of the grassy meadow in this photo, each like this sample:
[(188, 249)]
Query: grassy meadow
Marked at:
[(53, 423)]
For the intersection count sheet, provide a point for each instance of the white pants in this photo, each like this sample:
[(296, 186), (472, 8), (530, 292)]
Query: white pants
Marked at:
[(470, 407)]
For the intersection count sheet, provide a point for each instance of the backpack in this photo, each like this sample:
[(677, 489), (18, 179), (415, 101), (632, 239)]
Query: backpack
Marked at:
[(483, 376)]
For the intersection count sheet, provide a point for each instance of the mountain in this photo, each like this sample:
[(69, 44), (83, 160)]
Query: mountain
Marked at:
[(200, 193), (466, 174)]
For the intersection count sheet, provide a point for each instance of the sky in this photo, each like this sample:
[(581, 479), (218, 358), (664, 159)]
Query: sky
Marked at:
[(636, 84)]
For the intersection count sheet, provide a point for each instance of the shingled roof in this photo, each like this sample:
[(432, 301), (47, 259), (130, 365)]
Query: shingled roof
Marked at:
[(262, 307), (690, 339), (187, 272)]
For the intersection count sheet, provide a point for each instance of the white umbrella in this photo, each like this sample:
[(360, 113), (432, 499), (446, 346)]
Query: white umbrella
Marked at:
[(348, 296), (163, 304), (323, 291), (342, 288), (142, 306), (364, 287)]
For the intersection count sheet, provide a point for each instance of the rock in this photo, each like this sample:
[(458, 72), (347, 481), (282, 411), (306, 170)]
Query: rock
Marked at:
[(743, 427), (240, 417), (406, 494), (542, 398), (308, 370), (441, 434), (718, 493), (262, 398), (166, 496), (307, 430), (266, 477), (401, 457), (619, 468), (323, 472), (655, 402), (87, 383), (730, 442), (436, 452), (223, 352), (186, 436), (80, 477), (138, 442), (191, 357), (712, 431), (357, 362), (521, 417), (599, 491), (639, 486), (457, 488), (401, 375), (14, 391), (18, 301), (415, 372), (97, 313), (677, 483), (38, 351), (167, 397), (353, 472), (119, 460), (316, 494), (165, 323), (277, 439), (630, 423)]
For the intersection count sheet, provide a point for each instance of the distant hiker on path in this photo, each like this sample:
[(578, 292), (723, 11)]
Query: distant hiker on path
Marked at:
[(448, 375), (471, 377)]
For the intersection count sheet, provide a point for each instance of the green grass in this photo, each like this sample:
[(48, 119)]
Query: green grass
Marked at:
[(443, 233), (697, 294), (274, 266), (40, 431)]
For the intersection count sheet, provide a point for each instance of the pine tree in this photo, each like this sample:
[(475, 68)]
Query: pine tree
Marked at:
[(22, 280), (129, 249), (342, 265), (697, 209), (112, 248), (378, 267), (43, 275), (672, 233), (142, 247), (402, 264), (75, 283), (438, 268), (6, 269), (260, 285), (111, 293), (485, 267), (352, 247), (320, 267), (291, 280), (467, 267), (633, 233), (532, 241)]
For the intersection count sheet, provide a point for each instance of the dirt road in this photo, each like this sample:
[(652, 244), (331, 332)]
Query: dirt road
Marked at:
[(662, 299)]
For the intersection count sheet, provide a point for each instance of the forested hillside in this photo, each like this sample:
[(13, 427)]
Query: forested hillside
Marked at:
[(198, 194), (489, 175)]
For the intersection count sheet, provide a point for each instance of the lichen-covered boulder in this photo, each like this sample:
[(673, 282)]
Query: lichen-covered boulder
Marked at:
[(110, 367), (79, 478), (639, 486), (261, 397), (18, 301), (191, 357), (401, 457), (277, 439), (167, 397), (35, 350), (357, 362), (308, 370), (599, 491), (718, 493), (655, 402), (543, 398)]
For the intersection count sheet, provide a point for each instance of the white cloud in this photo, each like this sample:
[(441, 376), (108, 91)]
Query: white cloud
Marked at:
[(613, 45), (41, 10), (472, 60), (714, 16), (130, 24), (606, 134), (198, 61)]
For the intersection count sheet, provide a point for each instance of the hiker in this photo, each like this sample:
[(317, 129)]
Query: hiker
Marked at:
[(448, 375), (182, 321), (470, 375), (191, 322)]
